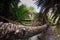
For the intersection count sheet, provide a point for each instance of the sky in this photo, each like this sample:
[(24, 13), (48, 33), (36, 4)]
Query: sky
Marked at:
[(30, 3)]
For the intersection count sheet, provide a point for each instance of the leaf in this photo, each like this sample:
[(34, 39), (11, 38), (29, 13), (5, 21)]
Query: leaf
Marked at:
[(56, 20)]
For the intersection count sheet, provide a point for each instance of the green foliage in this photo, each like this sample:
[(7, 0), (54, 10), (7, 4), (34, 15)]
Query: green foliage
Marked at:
[(22, 12), (31, 8), (19, 12), (53, 18), (46, 5)]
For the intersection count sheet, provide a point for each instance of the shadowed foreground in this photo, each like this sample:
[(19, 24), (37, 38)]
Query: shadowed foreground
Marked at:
[(9, 31)]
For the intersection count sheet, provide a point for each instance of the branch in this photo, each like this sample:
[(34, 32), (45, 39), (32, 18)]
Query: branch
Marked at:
[(10, 31)]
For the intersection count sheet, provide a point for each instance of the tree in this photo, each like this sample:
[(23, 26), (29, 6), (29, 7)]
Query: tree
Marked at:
[(9, 31), (50, 10), (20, 12), (46, 5), (5, 8)]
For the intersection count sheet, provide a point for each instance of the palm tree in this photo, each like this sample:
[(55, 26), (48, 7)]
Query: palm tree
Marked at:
[(51, 13), (8, 31), (46, 5)]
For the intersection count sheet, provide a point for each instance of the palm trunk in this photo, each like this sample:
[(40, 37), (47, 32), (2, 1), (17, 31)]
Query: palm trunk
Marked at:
[(11, 31)]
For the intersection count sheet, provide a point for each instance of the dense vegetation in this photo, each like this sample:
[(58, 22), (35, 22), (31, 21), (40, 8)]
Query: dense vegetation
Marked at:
[(49, 14)]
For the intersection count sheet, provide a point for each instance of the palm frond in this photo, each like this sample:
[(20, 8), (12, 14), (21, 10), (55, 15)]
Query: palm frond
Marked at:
[(46, 5)]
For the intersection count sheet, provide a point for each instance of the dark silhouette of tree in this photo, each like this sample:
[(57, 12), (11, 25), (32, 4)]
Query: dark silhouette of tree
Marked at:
[(5, 8)]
